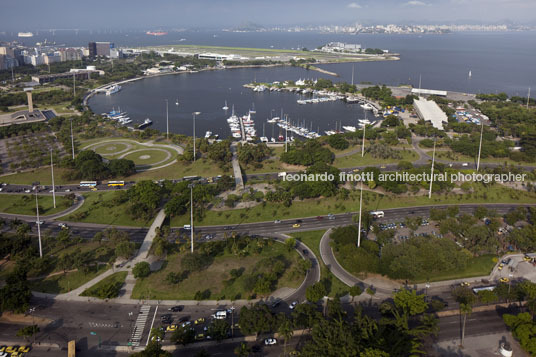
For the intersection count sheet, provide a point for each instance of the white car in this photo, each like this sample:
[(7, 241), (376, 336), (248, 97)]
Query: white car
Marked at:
[(465, 164), (270, 341), (27, 191), (63, 226), (39, 222), (293, 305)]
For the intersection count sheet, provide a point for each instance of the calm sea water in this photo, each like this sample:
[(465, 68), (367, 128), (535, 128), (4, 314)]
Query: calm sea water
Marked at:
[(498, 62)]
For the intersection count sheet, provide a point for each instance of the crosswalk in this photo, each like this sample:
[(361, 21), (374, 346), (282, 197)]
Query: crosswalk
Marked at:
[(137, 331)]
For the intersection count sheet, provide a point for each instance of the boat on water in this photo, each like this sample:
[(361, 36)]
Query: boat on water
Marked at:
[(208, 134), (225, 107), (113, 89), (177, 102), (252, 110), (145, 123), (364, 121), (367, 106), (349, 128), (25, 34), (156, 33)]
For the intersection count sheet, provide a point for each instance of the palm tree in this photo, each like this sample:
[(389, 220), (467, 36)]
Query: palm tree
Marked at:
[(465, 309), (285, 330)]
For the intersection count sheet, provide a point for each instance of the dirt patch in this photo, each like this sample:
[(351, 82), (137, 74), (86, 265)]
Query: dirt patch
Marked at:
[(23, 319)]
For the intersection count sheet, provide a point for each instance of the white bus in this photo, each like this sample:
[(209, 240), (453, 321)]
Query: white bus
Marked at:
[(482, 288), (377, 214), (88, 183)]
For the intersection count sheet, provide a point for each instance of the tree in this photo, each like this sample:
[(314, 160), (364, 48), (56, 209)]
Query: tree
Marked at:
[(124, 249), (183, 335), (242, 350), (290, 243), (219, 330), (15, 295), (306, 315), (316, 292), (28, 331), (285, 329), (141, 270), (153, 349), (257, 319), (465, 309), (355, 291), (487, 296)]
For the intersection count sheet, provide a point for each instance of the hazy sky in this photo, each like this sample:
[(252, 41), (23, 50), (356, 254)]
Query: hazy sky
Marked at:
[(109, 14)]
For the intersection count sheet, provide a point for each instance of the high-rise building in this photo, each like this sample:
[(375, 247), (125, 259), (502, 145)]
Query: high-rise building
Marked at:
[(103, 48), (70, 54), (92, 48)]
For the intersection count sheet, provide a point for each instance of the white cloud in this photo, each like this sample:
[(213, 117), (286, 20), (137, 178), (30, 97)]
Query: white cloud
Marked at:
[(415, 3), (354, 5)]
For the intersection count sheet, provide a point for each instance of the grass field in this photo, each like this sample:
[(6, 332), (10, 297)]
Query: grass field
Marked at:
[(357, 160), (444, 155), (477, 266), (372, 201), (41, 175), (25, 204), (216, 277), (118, 277), (202, 167), (63, 283), (312, 240), (97, 208), (148, 156)]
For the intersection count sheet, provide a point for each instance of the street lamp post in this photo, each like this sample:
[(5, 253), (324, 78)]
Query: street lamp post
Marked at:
[(52, 170), (427, 286), (31, 311), (167, 120), (192, 218), (359, 226), (72, 138), (432, 171), (194, 114), (480, 144), (363, 141), (38, 227)]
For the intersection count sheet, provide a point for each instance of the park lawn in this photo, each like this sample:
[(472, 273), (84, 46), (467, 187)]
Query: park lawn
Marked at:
[(357, 160), (477, 266), (442, 155), (41, 175), (202, 167), (58, 108), (155, 156), (312, 240), (97, 209), (214, 276), (372, 201), (273, 164), (63, 283), (25, 204), (118, 277)]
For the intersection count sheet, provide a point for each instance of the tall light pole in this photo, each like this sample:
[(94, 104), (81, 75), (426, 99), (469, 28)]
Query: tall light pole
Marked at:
[(286, 132), (359, 225), (480, 145), (194, 114), (167, 120), (192, 218), (52, 170), (432, 171), (74, 83), (363, 141), (38, 227), (72, 138)]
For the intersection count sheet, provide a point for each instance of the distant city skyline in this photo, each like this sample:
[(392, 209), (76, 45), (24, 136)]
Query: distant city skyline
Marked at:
[(137, 14)]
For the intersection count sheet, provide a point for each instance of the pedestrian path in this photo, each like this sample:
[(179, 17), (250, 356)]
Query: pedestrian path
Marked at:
[(239, 181), (139, 327)]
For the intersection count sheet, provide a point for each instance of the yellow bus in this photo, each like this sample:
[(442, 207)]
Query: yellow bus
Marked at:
[(116, 183)]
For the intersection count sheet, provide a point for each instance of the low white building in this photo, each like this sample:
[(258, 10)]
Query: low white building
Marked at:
[(428, 110)]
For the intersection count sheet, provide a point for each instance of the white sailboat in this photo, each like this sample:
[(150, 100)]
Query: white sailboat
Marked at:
[(470, 74), (252, 110), (177, 102), (225, 107)]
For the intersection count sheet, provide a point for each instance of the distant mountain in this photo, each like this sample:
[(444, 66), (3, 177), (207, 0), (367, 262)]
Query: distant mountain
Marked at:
[(248, 26)]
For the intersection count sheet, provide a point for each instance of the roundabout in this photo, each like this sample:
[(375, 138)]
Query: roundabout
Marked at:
[(146, 156)]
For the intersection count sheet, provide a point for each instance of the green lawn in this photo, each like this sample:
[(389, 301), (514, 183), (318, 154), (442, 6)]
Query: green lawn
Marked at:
[(41, 175), (216, 276), (357, 160), (444, 155), (477, 266), (153, 156), (202, 167), (98, 208), (312, 240), (63, 283), (25, 204), (372, 201), (118, 277)]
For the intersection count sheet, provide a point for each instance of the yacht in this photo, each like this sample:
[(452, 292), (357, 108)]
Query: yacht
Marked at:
[(177, 102), (113, 89), (367, 106), (351, 129), (208, 134), (145, 123), (364, 121), (252, 110), (225, 107)]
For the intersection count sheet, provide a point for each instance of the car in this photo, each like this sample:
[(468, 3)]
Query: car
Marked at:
[(200, 336), (299, 221), (277, 221), (156, 338), (319, 217), (165, 316), (506, 261), (3, 348), (382, 167), (199, 321), (172, 328), (504, 280), (4, 354), (209, 236), (11, 349), (27, 190), (296, 225), (293, 305), (331, 217), (63, 226), (276, 303), (67, 190), (184, 319), (39, 222), (176, 308), (93, 189), (465, 164), (501, 266), (187, 323), (305, 252), (464, 283), (270, 341), (527, 258)]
